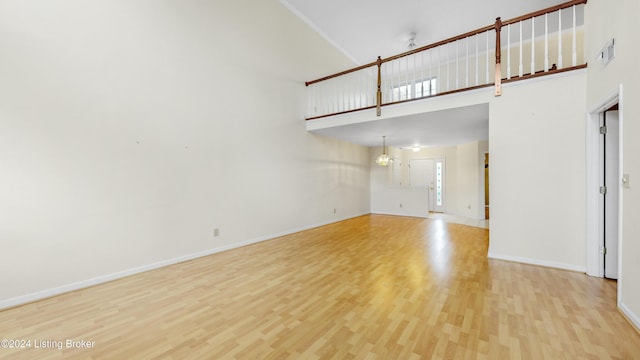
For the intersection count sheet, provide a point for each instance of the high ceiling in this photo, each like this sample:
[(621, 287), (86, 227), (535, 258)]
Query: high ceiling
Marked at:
[(366, 29)]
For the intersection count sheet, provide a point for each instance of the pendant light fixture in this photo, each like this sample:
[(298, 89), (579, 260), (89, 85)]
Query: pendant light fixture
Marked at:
[(383, 159)]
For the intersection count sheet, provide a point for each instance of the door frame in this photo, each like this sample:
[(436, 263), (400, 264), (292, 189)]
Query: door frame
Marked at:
[(594, 202)]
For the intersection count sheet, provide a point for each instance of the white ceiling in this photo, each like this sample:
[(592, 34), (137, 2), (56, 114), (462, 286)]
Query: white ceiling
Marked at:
[(366, 29)]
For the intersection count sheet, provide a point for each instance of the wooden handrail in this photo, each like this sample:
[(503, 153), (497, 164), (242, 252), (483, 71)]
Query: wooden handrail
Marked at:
[(439, 43), (341, 73), (543, 11), (410, 52)]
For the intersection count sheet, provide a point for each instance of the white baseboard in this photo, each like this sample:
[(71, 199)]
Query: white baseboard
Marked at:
[(43, 294), (630, 315), (544, 263)]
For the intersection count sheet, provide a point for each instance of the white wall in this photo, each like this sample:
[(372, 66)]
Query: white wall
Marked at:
[(129, 130), (470, 183), (537, 187), (606, 20)]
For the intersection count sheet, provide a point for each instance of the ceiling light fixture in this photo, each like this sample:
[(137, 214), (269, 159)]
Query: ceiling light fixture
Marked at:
[(383, 159), (416, 148), (412, 40)]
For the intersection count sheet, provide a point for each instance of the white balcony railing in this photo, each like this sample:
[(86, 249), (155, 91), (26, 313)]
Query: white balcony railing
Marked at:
[(540, 43)]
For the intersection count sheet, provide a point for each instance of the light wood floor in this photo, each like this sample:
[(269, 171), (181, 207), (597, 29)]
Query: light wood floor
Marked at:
[(374, 287)]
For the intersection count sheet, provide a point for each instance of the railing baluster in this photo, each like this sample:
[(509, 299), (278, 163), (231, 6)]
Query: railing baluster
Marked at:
[(372, 92), (430, 71), (574, 53), (415, 76), (533, 46), (457, 65), (466, 72), (363, 89), (390, 80), (360, 90), (343, 92), (521, 61), (487, 59), (448, 72), (508, 51), (422, 73), (396, 81), (560, 39), (337, 96), (439, 68), (310, 98), (406, 76), (348, 90), (329, 98), (477, 60), (326, 99), (546, 42), (352, 94), (347, 93)]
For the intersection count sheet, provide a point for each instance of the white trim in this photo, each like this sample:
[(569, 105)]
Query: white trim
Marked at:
[(43, 294), (630, 315), (315, 28), (544, 263), (594, 230), (594, 241)]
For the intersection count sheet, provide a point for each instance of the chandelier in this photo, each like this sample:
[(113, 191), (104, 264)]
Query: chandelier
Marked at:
[(383, 159)]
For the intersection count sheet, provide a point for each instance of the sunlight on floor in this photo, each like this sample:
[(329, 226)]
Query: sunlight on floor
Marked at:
[(460, 220)]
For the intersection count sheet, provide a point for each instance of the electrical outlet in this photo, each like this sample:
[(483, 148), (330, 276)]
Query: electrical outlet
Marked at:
[(216, 232)]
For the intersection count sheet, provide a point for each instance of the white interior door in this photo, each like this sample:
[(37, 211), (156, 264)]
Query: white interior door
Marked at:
[(421, 174), (611, 199)]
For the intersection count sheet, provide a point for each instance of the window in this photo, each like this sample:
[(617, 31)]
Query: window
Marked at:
[(422, 88)]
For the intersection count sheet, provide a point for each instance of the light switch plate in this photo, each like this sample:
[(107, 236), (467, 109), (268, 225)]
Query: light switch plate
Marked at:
[(625, 181)]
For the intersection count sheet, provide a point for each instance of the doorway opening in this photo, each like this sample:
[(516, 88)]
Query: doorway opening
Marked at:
[(603, 186), (609, 171)]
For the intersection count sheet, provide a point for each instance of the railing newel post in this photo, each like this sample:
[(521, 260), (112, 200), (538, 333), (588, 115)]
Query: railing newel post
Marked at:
[(379, 91), (498, 72)]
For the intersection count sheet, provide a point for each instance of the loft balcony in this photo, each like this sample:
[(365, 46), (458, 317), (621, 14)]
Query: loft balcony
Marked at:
[(545, 42)]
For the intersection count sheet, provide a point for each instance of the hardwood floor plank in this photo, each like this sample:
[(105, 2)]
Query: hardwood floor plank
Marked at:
[(373, 287)]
